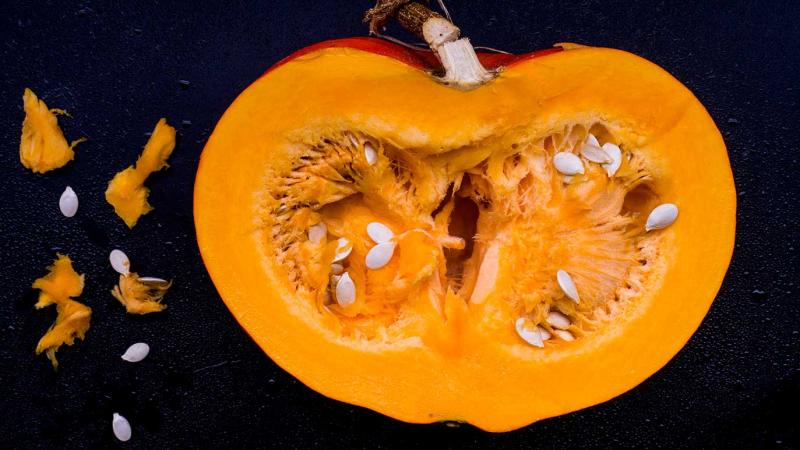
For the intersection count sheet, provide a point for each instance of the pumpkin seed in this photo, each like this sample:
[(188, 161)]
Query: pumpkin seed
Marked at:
[(528, 332), (543, 333), (567, 285), (343, 249), (317, 232), (153, 280), (564, 335), (615, 154), (345, 290), (380, 255), (592, 140), (120, 262), (379, 232), (68, 203), (568, 163), (595, 154), (337, 269), (661, 216), (136, 352), (557, 319), (121, 427), (370, 154)]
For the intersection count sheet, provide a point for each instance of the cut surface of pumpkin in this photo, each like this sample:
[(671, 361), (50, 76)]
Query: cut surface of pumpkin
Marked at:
[(126, 191), (43, 146), (58, 287), (502, 284)]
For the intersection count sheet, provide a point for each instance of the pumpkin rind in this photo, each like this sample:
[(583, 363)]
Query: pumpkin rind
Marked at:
[(456, 371)]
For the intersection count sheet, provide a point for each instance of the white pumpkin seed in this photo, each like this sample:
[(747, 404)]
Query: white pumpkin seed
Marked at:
[(615, 154), (592, 140), (68, 203), (136, 352), (595, 154), (337, 269), (661, 216), (120, 262), (370, 154), (543, 333), (317, 232), (343, 249), (568, 163), (528, 332), (380, 255), (568, 179), (345, 290), (121, 427), (379, 232), (564, 335), (556, 319), (152, 280), (567, 285)]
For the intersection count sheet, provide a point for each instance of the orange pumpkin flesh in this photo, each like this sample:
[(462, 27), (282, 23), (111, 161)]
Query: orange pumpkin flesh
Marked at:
[(42, 146), (482, 221), (58, 287), (126, 191)]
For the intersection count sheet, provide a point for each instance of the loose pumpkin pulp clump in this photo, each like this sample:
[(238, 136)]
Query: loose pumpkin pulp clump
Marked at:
[(126, 191), (58, 287), (43, 146)]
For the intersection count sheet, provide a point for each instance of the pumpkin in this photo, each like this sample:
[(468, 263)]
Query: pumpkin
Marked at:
[(491, 252)]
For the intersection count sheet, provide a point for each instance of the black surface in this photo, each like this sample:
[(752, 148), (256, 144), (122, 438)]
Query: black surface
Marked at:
[(117, 67)]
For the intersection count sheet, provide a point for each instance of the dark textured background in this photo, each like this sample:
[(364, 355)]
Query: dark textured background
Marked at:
[(116, 67)]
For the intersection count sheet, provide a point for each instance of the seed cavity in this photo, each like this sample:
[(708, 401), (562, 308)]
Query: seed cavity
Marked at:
[(136, 352), (595, 154), (564, 335), (567, 285), (568, 163), (120, 262), (613, 151), (337, 269), (529, 332), (558, 320), (380, 255), (121, 427), (68, 203), (345, 290), (370, 154), (379, 232), (316, 233), (343, 249), (661, 216)]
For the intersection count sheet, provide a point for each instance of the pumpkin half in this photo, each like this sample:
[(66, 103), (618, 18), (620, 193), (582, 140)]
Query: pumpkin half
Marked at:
[(352, 132)]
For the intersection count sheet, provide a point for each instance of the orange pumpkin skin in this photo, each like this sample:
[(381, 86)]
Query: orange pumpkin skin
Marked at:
[(459, 365)]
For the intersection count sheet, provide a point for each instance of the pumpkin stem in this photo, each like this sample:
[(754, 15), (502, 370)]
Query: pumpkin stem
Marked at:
[(458, 58)]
